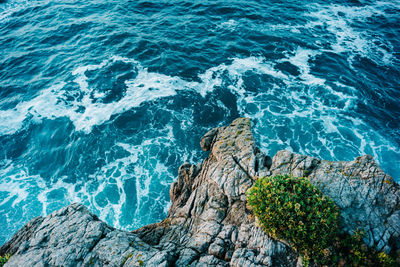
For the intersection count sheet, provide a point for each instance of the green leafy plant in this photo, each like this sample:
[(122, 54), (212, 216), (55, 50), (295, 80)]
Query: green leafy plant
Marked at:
[(386, 260), (352, 251), (4, 259), (292, 209)]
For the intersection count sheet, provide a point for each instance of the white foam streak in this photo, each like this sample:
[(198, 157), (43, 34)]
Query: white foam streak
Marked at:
[(46, 104), (146, 86), (300, 59), (338, 20), (50, 103)]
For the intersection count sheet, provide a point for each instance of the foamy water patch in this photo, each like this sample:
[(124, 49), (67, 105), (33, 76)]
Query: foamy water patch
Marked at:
[(54, 102), (300, 59), (146, 86), (45, 105), (107, 191), (341, 22), (229, 25)]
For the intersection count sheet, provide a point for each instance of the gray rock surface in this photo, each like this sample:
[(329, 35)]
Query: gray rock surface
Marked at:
[(208, 223)]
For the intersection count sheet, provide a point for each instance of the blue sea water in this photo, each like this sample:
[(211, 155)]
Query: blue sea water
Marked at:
[(101, 101)]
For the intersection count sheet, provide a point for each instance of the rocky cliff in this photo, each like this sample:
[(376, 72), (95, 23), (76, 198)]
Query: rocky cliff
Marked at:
[(208, 223)]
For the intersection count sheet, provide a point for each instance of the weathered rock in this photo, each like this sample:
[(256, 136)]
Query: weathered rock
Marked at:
[(182, 188), (208, 223), (208, 139), (23, 236)]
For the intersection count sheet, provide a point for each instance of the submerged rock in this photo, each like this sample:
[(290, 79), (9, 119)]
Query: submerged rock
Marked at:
[(208, 223)]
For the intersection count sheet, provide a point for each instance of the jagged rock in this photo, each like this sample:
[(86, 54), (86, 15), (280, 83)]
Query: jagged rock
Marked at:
[(208, 139), (22, 237), (182, 188), (208, 223)]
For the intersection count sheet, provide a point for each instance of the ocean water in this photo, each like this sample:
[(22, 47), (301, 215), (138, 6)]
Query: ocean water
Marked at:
[(101, 101)]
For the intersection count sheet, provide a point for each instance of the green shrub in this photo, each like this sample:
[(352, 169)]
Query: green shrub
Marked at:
[(4, 259), (292, 209)]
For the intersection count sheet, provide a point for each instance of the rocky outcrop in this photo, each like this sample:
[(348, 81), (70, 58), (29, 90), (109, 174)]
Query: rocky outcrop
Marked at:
[(208, 223)]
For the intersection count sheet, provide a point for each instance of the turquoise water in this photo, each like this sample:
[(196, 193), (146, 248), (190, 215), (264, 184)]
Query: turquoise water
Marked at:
[(101, 101)]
